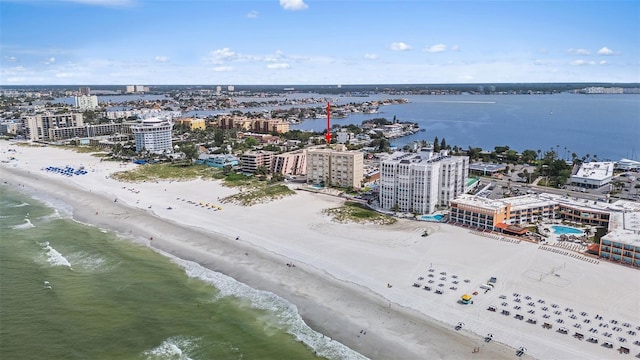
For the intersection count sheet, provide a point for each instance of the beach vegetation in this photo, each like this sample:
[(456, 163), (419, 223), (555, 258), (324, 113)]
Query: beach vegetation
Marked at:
[(263, 193), (358, 213), (166, 171)]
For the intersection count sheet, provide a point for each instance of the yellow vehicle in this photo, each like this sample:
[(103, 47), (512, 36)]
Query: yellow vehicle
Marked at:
[(466, 299)]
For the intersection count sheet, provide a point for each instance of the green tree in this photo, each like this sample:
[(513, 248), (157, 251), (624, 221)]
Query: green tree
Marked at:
[(436, 144), (189, 150), (474, 153), (277, 177), (218, 137), (529, 156), (262, 170), (443, 144), (251, 142)]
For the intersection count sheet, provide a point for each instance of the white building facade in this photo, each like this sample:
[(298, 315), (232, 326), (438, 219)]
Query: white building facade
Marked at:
[(86, 102), (37, 127), (153, 135), (419, 182), (593, 175)]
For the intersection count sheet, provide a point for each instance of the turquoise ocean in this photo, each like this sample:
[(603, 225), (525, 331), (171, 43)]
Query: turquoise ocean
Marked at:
[(73, 291)]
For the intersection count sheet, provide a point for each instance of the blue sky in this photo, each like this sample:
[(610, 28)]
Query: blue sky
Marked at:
[(240, 42)]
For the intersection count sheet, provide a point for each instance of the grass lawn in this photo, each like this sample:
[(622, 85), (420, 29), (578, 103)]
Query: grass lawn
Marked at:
[(356, 212)]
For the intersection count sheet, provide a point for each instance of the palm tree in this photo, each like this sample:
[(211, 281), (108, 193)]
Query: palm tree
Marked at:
[(587, 231)]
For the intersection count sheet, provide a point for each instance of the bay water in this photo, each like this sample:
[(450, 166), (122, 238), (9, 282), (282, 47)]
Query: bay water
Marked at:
[(606, 125), (73, 291)]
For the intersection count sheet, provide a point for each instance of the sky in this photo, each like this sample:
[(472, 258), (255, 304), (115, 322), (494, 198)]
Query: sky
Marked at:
[(324, 42)]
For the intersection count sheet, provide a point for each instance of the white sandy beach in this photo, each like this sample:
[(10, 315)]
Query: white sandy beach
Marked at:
[(339, 283)]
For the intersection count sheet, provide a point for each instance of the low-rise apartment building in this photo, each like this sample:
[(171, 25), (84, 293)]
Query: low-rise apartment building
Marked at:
[(249, 124), (251, 161)]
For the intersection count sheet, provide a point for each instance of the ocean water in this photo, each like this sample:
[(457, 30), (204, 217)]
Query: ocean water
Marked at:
[(73, 291), (604, 125)]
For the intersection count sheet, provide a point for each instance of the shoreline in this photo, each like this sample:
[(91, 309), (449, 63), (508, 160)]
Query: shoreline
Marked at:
[(340, 318), (339, 283)]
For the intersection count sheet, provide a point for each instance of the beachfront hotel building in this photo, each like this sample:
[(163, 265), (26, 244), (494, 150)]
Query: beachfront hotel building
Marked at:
[(494, 214), (291, 163), (37, 127), (622, 241), (420, 182), (252, 160), (153, 135), (335, 167), (593, 175)]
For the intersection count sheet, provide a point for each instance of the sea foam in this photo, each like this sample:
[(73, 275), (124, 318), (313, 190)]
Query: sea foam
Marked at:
[(286, 313), (55, 258), (19, 205), (92, 263), (171, 348), (26, 225)]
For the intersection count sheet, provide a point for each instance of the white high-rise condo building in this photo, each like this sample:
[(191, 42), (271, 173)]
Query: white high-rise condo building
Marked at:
[(153, 135), (86, 102), (419, 182)]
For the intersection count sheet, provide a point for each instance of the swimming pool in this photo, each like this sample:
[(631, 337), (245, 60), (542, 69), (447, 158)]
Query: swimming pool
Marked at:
[(436, 218), (560, 230)]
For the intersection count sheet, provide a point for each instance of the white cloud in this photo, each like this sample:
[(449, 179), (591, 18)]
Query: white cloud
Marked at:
[(603, 62), (223, 68), (581, 62), (400, 46), (278, 66), (455, 48), (605, 51), (277, 56), (49, 61), (573, 51), (10, 59), (16, 79), (436, 48), (293, 5), (219, 56), (370, 56), (252, 14), (161, 59)]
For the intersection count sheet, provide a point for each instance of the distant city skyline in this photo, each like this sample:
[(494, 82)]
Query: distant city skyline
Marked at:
[(119, 42)]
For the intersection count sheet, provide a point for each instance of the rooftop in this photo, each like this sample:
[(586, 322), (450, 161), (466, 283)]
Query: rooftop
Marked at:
[(595, 171)]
